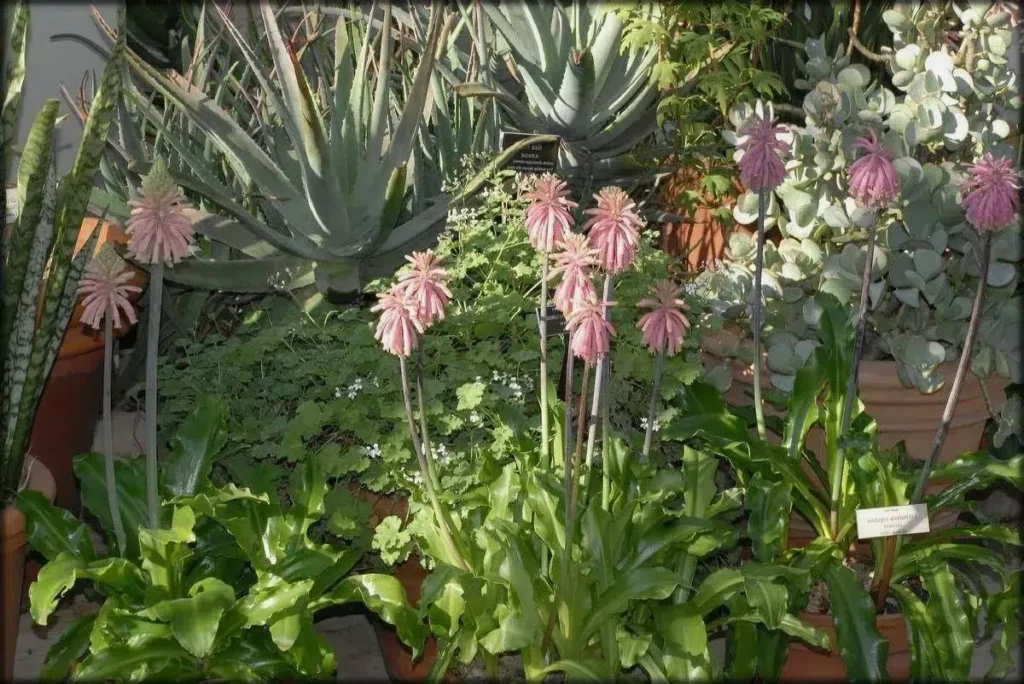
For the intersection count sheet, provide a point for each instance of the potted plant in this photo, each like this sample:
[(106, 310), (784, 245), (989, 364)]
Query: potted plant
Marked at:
[(943, 107), (550, 560), (39, 291), (924, 634), (226, 588)]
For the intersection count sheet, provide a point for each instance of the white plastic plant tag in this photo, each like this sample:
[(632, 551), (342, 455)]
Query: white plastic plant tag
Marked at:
[(892, 520)]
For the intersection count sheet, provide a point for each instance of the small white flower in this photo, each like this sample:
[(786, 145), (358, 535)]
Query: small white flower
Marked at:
[(372, 450), (416, 478), (643, 424), (337, 393), (474, 418), (477, 378)]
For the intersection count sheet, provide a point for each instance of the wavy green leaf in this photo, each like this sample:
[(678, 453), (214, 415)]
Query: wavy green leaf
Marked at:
[(197, 440), (51, 530), (72, 645), (861, 647)]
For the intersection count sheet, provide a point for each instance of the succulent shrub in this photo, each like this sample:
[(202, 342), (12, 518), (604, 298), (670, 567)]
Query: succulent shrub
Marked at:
[(945, 103)]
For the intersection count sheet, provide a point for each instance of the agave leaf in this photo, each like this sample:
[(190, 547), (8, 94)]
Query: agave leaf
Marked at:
[(575, 101)]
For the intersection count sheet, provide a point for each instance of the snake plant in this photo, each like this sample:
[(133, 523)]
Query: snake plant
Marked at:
[(40, 272), (569, 78), (318, 132)]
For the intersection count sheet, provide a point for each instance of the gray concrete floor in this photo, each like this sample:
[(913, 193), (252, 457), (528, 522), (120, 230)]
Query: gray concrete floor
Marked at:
[(352, 638)]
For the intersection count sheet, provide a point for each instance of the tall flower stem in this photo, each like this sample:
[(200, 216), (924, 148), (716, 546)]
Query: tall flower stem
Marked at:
[(851, 382), (428, 453), (599, 373), (606, 442), (572, 483), (156, 286), (545, 449), (108, 431), (435, 503), (758, 268), (659, 369), (889, 552)]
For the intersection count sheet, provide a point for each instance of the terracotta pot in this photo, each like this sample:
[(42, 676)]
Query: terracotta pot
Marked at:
[(902, 414), (70, 403), (805, 663), (397, 656), (13, 546), (701, 241)]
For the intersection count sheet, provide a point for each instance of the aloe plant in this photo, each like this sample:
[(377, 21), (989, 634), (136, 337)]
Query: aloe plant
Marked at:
[(568, 78), (40, 272), (323, 140)]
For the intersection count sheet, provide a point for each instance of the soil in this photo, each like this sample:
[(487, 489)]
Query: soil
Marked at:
[(818, 601)]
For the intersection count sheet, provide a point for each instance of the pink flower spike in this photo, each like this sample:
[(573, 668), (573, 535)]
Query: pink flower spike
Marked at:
[(158, 229), (991, 193), (614, 228), (425, 284), (665, 326), (399, 327), (105, 288), (548, 217), (573, 263), (589, 334), (761, 166), (873, 180)]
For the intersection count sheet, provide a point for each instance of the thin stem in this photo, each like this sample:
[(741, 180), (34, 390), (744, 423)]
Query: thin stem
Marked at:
[(595, 406), (758, 268), (442, 521), (567, 421), (545, 450), (572, 483), (428, 452), (986, 396), (108, 431), (854, 28), (889, 553), (659, 368), (156, 286), (866, 53), (606, 481), (851, 383)]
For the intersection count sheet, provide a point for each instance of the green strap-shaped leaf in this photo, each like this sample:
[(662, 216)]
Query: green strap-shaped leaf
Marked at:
[(131, 496), (643, 583), (72, 201), (864, 651), (198, 439), (947, 614), (27, 254), (60, 574), (161, 659), (15, 76), (194, 620), (51, 530)]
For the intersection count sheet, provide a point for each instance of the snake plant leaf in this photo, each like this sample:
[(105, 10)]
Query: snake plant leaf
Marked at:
[(15, 74), (25, 256)]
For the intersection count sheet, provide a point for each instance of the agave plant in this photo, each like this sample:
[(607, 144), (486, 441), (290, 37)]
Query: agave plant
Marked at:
[(304, 154), (40, 273), (568, 78)]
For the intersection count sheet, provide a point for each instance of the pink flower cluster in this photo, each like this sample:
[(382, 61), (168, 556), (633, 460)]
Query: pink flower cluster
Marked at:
[(158, 230), (664, 326), (873, 180), (761, 166), (106, 291), (412, 305), (991, 193)]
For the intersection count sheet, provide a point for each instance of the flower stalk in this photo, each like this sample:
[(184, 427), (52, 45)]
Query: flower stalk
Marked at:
[(756, 315), (545, 444), (421, 402), (442, 522), (599, 373), (156, 286), (108, 431), (659, 369)]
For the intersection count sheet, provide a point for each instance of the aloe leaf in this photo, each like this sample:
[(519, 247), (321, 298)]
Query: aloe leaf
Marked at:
[(382, 92), (519, 111), (575, 102), (244, 275)]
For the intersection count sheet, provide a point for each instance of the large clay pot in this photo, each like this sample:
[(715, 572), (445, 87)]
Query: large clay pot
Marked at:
[(805, 663), (12, 560), (701, 241), (902, 414), (70, 403)]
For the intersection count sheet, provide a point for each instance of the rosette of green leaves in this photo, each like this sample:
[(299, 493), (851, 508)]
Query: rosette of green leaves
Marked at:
[(300, 156), (570, 79), (227, 588)]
